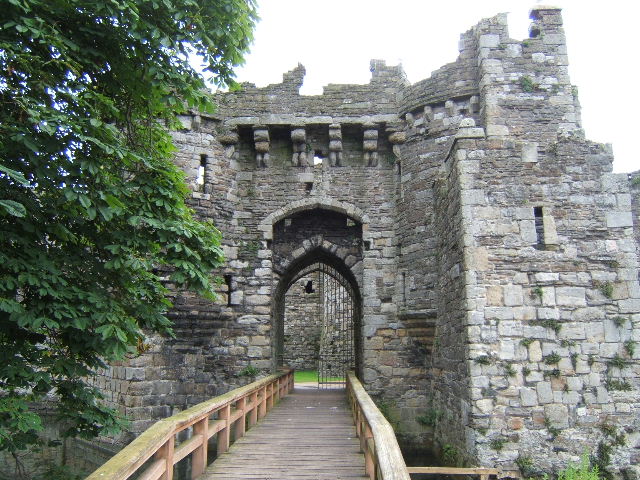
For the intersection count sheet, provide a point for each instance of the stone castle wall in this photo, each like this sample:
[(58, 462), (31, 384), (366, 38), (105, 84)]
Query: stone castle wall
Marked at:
[(634, 181), (554, 287), (302, 324), (491, 248)]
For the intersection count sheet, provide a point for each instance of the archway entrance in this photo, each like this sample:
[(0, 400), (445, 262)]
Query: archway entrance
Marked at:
[(317, 301), (319, 316)]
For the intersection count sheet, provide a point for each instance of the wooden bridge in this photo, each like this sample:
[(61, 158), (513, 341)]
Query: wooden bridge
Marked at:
[(309, 434)]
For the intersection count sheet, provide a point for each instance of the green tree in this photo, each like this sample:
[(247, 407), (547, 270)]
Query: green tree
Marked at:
[(91, 206)]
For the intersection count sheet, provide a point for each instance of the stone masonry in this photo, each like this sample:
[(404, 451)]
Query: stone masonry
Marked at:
[(302, 324), (492, 252)]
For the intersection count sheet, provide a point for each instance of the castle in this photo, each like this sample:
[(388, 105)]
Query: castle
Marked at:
[(486, 254)]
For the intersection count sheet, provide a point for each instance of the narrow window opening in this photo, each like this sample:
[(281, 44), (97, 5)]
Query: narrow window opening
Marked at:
[(201, 170), (308, 288), (537, 213), (308, 186), (228, 280), (367, 245)]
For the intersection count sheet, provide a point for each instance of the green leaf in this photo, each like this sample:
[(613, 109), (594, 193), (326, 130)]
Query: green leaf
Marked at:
[(13, 208), (15, 175), (84, 200), (106, 212)]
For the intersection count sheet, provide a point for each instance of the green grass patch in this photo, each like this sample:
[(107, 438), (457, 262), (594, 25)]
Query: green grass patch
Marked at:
[(304, 376)]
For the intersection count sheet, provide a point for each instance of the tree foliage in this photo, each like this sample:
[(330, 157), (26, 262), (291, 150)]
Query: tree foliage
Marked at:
[(91, 205)]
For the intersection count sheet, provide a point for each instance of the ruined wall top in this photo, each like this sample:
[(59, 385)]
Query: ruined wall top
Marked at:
[(389, 97), (282, 103)]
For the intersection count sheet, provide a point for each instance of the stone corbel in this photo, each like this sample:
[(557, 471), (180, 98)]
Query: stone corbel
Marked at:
[(335, 144), (370, 144), (450, 107), (196, 123), (229, 140), (299, 140), (396, 138), (262, 145), (428, 113), (474, 104)]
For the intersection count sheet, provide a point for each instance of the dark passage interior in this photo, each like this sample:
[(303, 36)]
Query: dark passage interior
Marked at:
[(317, 302)]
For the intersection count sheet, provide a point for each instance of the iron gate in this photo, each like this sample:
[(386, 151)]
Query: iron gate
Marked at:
[(336, 352), (336, 349)]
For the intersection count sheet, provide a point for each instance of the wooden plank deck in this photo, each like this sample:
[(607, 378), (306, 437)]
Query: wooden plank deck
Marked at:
[(308, 436)]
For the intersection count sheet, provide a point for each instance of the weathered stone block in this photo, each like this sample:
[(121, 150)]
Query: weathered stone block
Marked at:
[(497, 130), (545, 394), (557, 415), (513, 295), (571, 296), (528, 397), (489, 40), (530, 152), (619, 219), (535, 352)]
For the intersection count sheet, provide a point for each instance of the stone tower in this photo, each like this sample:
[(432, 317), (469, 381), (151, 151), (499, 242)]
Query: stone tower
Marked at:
[(489, 251)]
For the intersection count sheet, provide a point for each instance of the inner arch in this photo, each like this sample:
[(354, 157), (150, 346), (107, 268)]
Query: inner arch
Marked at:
[(317, 311)]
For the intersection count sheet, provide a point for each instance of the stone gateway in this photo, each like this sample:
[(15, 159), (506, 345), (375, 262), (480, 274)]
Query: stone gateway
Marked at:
[(488, 254)]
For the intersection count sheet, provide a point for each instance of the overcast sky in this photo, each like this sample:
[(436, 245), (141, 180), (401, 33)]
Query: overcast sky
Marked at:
[(335, 39)]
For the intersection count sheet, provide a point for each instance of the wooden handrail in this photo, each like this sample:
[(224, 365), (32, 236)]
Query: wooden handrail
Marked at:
[(232, 410), (383, 458)]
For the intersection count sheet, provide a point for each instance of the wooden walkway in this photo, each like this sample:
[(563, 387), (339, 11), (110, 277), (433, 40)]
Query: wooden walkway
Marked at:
[(309, 435)]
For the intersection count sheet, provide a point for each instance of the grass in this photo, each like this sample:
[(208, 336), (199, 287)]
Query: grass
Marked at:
[(305, 376)]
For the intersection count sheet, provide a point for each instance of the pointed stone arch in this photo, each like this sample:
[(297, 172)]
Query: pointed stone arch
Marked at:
[(304, 262), (320, 246)]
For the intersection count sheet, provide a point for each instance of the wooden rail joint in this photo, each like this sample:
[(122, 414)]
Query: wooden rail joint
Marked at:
[(227, 416)]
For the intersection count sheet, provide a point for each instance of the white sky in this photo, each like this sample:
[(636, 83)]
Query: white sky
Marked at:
[(335, 39)]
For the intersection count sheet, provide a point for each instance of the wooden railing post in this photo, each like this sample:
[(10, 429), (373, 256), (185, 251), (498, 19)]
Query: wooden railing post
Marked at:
[(241, 423), (165, 453), (369, 464), (199, 456), (262, 411), (223, 435), (253, 414), (277, 392), (269, 396)]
